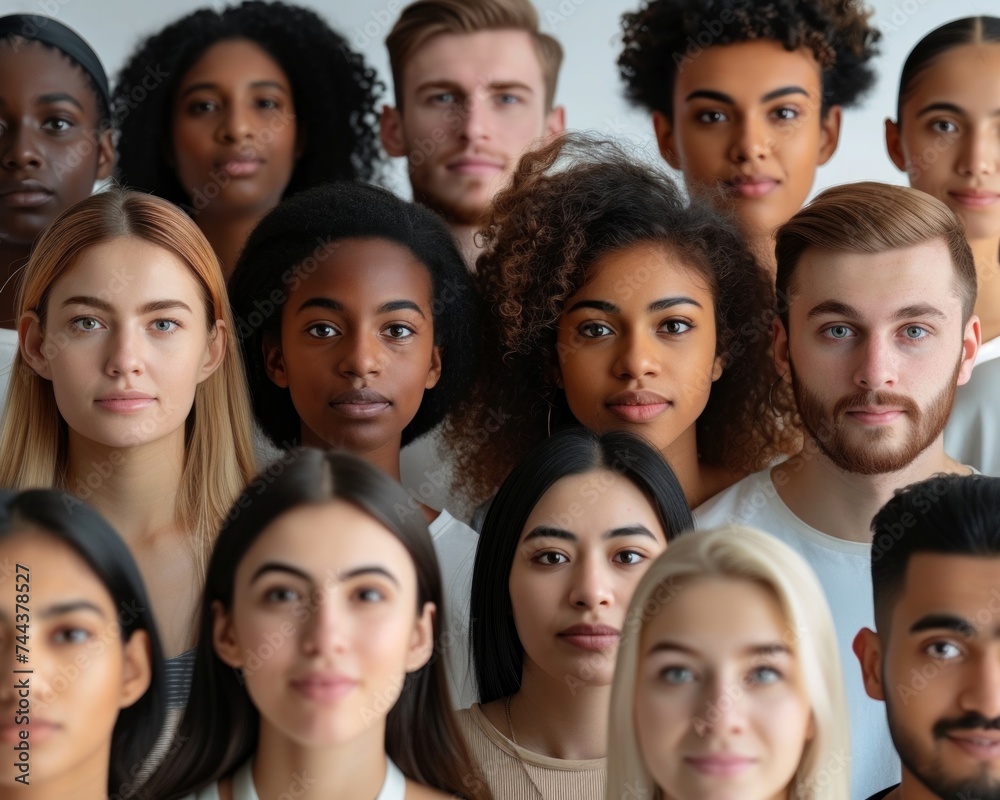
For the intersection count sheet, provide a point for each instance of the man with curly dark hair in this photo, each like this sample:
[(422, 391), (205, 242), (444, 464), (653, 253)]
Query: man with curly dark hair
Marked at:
[(226, 112), (875, 332), (475, 84), (746, 96)]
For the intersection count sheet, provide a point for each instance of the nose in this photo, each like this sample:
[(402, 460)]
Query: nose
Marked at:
[(126, 357), (237, 124), (981, 688), (19, 148), (724, 709), (323, 629), (751, 141), (476, 122), (591, 584), (980, 154), (360, 358), (637, 357), (877, 368)]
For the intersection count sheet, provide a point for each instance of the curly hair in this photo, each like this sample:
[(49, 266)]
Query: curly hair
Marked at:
[(664, 34), (292, 241), (545, 231), (333, 90)]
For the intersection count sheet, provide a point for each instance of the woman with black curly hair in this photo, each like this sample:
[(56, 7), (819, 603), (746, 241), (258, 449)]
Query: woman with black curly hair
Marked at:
[(746, 96), (227, 112), (615, 304), (357, 319)]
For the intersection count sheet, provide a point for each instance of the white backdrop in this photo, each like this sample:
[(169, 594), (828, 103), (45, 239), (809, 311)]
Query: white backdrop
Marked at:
[(588, 87)]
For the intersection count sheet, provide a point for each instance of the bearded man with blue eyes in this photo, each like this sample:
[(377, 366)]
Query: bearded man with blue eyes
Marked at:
[(874, 331)]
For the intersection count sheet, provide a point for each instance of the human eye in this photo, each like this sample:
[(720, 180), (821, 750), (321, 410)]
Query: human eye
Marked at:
[(785, 113), (915, 332), (443, 98), (281, 594), (838, 332), (711, 117), (322, 330), (369, 594), (551, 559), (629, 557), (508, 99), (399, 332), (675, 674), (268, 103), (594, 330), (86, 324), (165, 325), (763, 675), (944, 126), (58, 124), (70, 634), (675, 327), (943, 651), (202, 106)]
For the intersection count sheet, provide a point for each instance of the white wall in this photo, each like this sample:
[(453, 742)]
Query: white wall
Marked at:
[(589, 85)]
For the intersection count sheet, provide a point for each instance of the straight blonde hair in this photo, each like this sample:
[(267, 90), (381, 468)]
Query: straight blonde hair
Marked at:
[(741, 554), (219, 458)]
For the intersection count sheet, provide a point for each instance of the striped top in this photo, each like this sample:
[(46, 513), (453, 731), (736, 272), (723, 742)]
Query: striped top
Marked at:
[(178, 672)]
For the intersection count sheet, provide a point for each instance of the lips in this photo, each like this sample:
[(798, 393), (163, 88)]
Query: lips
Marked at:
[(980, 745), (324, 686), (38, 731), (125, 401), (241, 165), (25, 194), (360, 403), (753, 186), (591, 637), (720, 765), (875, 415), (637, 406), (974, 198), (475, 165)]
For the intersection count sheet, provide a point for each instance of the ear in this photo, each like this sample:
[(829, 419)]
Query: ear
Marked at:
[(894, 144), (422, 641), (781, 361), (105, 155), (215, 353), (665, 139), (138, 668), (224, 637), (434, 373), (555, 123), (829, 133), (31, 338), (868, 649), (301, 138), (717, 367), (274, 361), (972, 337), (391, 130)]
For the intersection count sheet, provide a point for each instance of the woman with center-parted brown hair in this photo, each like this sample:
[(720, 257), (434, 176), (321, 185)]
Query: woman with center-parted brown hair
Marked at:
[(129, 393)]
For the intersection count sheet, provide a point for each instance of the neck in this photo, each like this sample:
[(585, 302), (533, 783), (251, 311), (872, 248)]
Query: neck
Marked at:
[(761, 246), (88, 781), (559, 718), (682, 456), (227, 233), (134, 488), (12, 260), (842, 504), (385, 456), (987, 255), (465, 238), (283, 768)]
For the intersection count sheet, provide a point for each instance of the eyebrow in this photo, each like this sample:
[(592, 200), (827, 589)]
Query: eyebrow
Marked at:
[(452, 86), (948, 622), (386, 308), (763, 649), (146, 308), (656, 305), (710, 94), (277, 566), (195, 87), (949, 107), (58, 97), (549, 532), (836, 308), (68, 608)]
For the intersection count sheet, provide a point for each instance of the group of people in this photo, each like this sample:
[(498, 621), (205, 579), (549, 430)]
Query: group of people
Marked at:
[(698, 499)]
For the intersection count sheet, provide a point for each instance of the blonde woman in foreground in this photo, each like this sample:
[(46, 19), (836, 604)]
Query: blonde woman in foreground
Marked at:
[(728, 683)]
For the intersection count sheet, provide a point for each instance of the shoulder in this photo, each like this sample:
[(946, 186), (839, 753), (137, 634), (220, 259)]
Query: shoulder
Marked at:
[(738, 504)]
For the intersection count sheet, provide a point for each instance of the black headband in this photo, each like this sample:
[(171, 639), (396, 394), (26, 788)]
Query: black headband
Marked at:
[(51, 32)]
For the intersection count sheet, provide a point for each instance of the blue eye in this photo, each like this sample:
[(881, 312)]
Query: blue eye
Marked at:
[(838, 331), (764, 675), (166, 325), (915, 332), (677, 675), (86, 323)]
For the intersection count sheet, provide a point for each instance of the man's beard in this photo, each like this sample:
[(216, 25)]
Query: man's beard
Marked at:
[(454, 212), (927, 769), (874, 455)]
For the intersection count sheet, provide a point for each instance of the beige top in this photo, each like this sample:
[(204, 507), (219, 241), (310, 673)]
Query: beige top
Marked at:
[(514, 773)]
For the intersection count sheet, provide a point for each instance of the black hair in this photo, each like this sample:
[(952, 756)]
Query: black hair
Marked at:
[(497, 653), (220, 727), (969, 30), (947, 514), (333, 90), (292, 241), (662, 35), (74, 523)]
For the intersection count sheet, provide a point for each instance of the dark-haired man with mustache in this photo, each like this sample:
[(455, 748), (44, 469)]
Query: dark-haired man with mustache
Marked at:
[(876, 286), (935, 660)]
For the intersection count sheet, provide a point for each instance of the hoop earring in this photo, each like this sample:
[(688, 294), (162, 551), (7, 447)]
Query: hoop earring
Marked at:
[(548, 422)]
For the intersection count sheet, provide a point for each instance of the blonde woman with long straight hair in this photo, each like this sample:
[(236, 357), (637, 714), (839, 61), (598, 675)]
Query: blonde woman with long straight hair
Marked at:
[(728, 682), (128, 392)]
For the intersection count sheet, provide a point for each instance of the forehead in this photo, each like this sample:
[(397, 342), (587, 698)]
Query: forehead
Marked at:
[(967, 587), (56, 570), (368, 270), (473, 60), (238, 59), (748, 70), (31, 70), (645, 272), (967, 76), (877, 284)]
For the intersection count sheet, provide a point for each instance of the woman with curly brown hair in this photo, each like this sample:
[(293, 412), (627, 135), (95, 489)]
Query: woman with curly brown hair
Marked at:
[(611, 302)]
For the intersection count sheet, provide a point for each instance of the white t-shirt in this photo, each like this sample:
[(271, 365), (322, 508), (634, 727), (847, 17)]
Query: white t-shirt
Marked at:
[(8, 349), (844, 570), (972, 434), (426, 471), (455, 545)]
